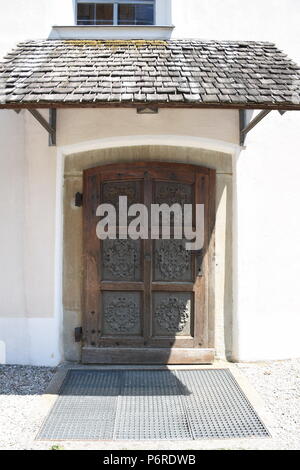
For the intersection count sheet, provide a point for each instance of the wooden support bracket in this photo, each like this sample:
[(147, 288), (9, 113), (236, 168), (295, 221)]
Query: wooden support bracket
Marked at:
[(245, 128), (49, 126)]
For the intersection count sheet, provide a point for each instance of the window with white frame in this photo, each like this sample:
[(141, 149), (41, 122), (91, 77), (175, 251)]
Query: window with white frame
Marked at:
[(120, 12)]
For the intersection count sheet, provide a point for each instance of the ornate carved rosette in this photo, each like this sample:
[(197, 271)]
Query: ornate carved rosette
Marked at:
[(122, 315), (172, 259), (172, 314), (112, 192), (120, 258), (174, 193)]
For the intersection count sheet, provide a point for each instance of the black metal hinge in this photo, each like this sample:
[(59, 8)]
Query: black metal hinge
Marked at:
[(78, 334), (78, 199)]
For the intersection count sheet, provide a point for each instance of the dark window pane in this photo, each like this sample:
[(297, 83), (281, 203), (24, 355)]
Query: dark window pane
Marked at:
[(104, 13), (85, 13), (135, 14)]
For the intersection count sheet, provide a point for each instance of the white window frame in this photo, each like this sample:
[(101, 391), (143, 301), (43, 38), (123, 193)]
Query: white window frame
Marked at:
[(115, 9)]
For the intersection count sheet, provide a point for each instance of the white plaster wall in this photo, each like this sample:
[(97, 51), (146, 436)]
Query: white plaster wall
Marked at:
[(12, 191), (267, 304), (267, 226), (33, 19), (29, 325), (270, 20), (267, 315), (31, 249), (259, 20), (90, 124), (13, 301), (32, 341)]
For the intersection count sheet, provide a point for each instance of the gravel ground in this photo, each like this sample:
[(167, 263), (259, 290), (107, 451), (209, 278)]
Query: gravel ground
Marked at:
[(23, 409), (278, 383), (21, 405)]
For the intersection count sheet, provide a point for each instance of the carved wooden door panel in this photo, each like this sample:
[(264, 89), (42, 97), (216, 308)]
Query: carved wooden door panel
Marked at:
[(147, 301)]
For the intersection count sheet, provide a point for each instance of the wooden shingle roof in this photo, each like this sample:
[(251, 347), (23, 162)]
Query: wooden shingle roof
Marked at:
[(184, 73)]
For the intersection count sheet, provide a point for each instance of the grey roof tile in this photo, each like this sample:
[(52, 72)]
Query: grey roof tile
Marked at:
[(126, 96), (192, 98), (14, 98), (210, 98), (140, 97), (197, 72), (176, 98)]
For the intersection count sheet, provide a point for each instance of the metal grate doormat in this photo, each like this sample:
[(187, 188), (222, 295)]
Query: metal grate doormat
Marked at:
[(151, 404)]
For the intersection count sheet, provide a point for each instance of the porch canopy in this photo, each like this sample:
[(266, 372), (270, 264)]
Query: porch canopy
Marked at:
[(148, 74), (173, 73)]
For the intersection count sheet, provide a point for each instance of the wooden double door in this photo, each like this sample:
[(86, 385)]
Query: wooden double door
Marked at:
[(146, 301)]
